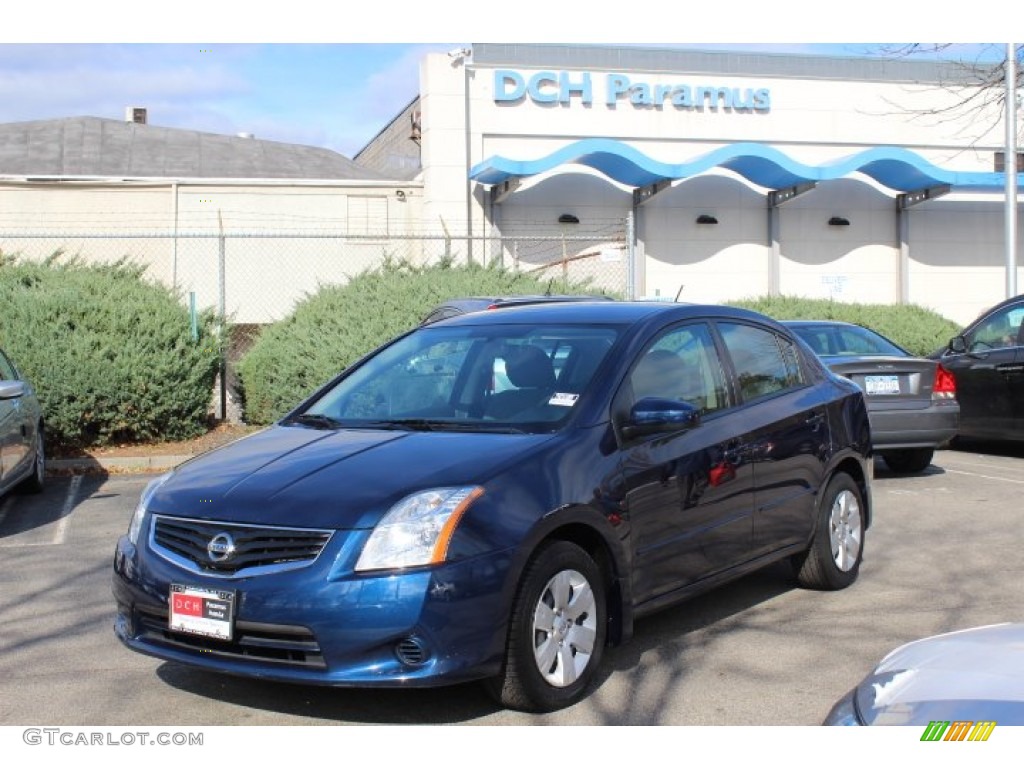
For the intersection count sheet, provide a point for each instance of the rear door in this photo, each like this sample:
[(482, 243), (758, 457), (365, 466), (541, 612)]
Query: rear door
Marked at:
[(784, 437)]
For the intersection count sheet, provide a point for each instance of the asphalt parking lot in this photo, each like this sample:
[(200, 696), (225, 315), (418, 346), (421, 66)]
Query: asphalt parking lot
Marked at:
[(942, 554)]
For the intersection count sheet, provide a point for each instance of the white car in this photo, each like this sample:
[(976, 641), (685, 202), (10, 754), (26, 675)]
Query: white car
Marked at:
[(971, 676)]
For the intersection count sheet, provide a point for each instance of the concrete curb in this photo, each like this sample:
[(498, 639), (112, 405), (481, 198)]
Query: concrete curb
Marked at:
[(118, 464)]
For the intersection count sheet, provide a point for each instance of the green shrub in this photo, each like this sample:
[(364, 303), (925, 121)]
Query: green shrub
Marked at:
[(918, 330), (111, 355), (340, 323)]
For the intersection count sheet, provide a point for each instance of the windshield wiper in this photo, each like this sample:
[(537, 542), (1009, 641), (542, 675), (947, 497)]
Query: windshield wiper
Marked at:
[(315, 420), (439, 425), (419, 425)]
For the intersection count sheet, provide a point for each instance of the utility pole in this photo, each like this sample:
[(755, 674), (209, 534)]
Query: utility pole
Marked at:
[(1010, 168)]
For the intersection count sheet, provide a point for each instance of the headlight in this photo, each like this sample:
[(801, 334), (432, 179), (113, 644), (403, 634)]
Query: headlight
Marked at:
[(417, 530), (135, 527), (844, 712)]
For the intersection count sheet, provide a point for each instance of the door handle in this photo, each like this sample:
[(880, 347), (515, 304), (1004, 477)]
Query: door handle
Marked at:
[(815, 420)]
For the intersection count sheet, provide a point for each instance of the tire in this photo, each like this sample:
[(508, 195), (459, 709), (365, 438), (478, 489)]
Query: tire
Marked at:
[(35, 482), (837, 548), (909, 460), (556, 633)]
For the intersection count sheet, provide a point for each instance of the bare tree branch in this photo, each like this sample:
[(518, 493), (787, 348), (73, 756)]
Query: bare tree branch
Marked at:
[(976, 93)]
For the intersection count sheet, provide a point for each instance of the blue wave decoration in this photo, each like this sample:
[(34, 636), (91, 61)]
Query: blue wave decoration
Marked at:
[(893, 167)]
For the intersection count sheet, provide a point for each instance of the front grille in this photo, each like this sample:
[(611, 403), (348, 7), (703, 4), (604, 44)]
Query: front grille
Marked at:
[(271, 643), (227, 549)]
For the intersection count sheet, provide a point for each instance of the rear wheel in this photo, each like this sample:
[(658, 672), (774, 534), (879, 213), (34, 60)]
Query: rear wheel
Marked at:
[(833, 559), (908, 460), (557, 631)]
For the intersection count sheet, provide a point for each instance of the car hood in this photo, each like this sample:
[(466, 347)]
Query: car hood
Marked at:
[(975, 674), (344, 478)]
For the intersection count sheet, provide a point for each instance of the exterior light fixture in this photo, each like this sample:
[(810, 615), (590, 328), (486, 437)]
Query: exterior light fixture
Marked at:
[(568, 218), (706, 218), (838, 221)]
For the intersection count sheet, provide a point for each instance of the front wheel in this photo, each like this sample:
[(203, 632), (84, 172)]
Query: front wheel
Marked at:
[(557, 631), (34, 482), (837, 548)]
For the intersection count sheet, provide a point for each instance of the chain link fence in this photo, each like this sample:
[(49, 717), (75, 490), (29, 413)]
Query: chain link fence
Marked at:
[(256, 278)]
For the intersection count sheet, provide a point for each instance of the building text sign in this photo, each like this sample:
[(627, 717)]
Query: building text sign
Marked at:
[(613, 89)]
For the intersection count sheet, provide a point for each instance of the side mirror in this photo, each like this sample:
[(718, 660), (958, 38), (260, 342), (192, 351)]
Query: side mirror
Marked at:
[(958, 345), (655, 415), (9, 390)]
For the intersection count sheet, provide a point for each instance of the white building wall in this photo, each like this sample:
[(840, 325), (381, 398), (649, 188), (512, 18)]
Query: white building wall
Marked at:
[(281, 241)]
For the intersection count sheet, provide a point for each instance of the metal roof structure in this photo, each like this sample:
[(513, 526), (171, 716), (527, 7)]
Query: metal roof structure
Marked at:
[(104, 148), (896, 168)]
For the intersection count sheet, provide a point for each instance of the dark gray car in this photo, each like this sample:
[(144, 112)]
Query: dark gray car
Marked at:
[(22, 457), (912, 401)]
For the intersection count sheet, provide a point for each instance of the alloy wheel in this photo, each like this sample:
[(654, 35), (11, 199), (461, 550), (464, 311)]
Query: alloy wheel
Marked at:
[(845, 530), (564, 628)]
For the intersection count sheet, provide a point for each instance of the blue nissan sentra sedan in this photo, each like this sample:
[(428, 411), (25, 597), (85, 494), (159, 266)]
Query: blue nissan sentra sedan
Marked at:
[(498, 496)]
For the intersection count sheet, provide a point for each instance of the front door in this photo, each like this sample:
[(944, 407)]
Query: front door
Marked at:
[(990, 376), (689, 494)]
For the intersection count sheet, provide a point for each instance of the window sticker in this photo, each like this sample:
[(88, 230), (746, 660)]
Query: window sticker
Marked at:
[(564, 399)]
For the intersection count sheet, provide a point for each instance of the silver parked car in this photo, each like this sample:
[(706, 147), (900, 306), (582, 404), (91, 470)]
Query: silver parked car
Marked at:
[(912, 401), (971, 676), (22, 456)]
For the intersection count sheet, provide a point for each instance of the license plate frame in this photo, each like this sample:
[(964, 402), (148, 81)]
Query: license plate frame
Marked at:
[(882, 385), (202, 611)]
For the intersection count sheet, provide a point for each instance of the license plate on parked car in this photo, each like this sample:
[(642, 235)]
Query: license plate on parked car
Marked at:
[(882, 385), (200, 611)]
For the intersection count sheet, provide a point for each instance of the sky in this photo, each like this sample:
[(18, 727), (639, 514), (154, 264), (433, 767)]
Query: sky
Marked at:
[(332, 74)]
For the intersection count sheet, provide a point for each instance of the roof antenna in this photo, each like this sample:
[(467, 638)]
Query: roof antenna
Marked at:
[(679, 292), (548, 291)]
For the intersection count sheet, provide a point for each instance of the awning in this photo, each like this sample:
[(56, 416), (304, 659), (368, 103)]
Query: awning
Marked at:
[(898, 169)]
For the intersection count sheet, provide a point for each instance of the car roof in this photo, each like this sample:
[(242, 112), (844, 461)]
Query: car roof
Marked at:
[(599, 312), (802, 323), (522, 299), (465, 304)]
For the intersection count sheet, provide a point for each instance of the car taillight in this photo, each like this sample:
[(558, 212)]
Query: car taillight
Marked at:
[(945, 385)]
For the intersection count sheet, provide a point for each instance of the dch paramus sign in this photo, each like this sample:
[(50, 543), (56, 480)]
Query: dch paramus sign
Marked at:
[(587, 89)]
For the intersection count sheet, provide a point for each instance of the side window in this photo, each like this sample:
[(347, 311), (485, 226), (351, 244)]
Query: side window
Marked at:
[(765, 363), (682, 364), (1001, 329)]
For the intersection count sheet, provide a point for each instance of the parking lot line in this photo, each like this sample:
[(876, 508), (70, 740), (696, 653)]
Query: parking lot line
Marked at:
[(60, 535), (984, 477)]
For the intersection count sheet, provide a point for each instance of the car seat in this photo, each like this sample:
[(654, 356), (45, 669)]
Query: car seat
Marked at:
[(532, 374)]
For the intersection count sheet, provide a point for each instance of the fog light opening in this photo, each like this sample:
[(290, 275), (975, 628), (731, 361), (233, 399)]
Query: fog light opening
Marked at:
[(412, 651)]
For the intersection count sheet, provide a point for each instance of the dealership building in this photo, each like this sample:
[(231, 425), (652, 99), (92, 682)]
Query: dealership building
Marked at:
[(714, 176)]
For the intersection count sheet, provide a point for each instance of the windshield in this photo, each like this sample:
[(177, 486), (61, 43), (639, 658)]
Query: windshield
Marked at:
[(477, 378), (846, 341)]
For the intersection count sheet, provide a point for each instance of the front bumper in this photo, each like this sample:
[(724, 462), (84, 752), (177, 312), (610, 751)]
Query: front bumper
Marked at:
[(311, 625)]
